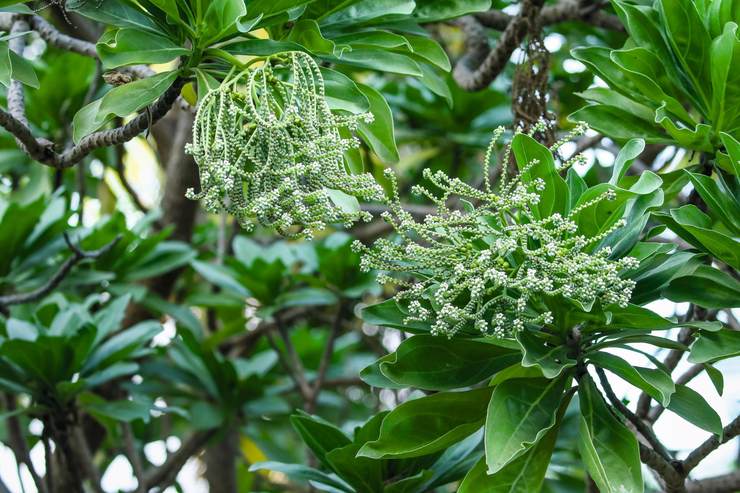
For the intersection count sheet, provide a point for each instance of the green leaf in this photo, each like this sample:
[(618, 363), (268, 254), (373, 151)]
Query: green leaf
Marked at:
[(380, 60), (115, 13), (307, 33), (554, 198), (122, 345), (690, 42), (719, 202), (220, 276), (223, 18), (732, 147), (692, 407), (520, 413), (691, 224), (121, 101), (627, 154), (655, 382), (714, 346), (439, 10), (22, 70), (131, 46), (707, 287), (6, 69), (123, 410), (550, 360), (430, 50), (391, 314), (525, 474), (379, 134), (320, 435), (619, 124), (428, 424), (342, 93), (609, 450), (436, 363), (300, 472), (366, 11), (725, 53)]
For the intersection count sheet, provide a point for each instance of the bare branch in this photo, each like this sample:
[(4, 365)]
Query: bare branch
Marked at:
[(711, 444), (564, 11), (726, 483), (19, 445), (43, 151), (481, 65), (132, 456), (164, 475), (58, 277), (326, 357)]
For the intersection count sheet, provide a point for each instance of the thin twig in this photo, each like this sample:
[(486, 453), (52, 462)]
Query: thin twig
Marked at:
[(19, 445), (84, 458), (164, 475), (77, 256), (326, 357), (133, 456)]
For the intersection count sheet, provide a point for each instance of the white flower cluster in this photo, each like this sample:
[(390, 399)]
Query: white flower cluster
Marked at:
[(270, 150), (493, 267)]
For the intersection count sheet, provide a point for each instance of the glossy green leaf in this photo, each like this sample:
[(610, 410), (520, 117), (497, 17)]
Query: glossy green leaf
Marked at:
[(520, 413), (131, 46), (436, 363), (714, 346), (379, 134), (551, 360), (707, 287), (655, 382), (554, 198), (692, 407), (121, 101), (429, 424), (690, 42), (607, 447)]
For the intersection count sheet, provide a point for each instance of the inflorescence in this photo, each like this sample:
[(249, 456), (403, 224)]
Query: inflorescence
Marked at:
[(491, 266), (270, 150)]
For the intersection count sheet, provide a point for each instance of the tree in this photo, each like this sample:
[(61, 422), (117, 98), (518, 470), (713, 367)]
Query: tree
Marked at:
[(358, 266)]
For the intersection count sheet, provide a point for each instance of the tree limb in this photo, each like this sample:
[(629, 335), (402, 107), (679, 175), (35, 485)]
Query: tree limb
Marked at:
[(481, 65), (726, 483), (638, 423), (43, 151), (326, 357), (77, 256), (711, 444), (164, 475)]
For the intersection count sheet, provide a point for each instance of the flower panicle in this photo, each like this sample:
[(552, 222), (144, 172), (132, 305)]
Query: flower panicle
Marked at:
[(491, 267), (270, 151)]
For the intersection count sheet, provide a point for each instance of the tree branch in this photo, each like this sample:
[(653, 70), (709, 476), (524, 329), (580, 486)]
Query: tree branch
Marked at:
[(77, 256), (43, 151), (711, 444), (481, 65), (133, 457), (564, 11), (726, 483), (638, 423), (19, 445), (326, 357), (164, 475)]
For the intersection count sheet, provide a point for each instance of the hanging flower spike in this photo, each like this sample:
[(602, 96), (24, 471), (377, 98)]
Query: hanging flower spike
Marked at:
[(488, 268), (270, 151)]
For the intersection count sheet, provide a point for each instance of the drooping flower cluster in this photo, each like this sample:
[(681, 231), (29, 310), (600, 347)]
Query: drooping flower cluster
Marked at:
[(269, 150), (490, 266)]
